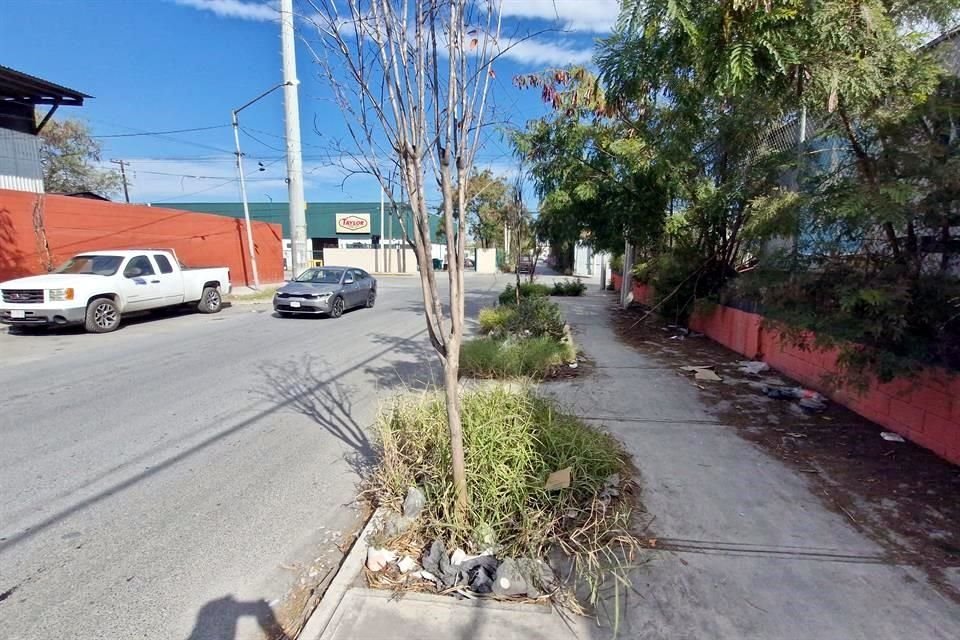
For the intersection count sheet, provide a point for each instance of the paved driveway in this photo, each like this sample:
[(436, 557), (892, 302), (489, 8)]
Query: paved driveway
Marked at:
[(173, 479)]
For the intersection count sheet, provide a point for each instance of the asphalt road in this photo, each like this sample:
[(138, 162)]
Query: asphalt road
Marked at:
[(178, 477)]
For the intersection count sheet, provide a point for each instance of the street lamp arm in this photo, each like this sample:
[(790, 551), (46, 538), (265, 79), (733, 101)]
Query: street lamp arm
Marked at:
[(262, 95)]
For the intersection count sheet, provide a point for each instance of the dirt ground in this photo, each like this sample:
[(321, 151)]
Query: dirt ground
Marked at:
[(899, 494)]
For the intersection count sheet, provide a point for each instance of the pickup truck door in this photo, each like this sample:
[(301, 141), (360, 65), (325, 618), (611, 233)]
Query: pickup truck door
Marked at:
[(139, 285), (171, 280)]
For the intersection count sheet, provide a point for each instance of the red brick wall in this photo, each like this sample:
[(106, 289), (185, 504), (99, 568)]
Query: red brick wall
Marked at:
[(74, 225), (925, 409)]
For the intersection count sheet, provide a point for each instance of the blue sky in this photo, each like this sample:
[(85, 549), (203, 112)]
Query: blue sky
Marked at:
[(159, 65)]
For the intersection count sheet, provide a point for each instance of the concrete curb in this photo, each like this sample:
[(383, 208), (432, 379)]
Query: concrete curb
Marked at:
[(349, 569)]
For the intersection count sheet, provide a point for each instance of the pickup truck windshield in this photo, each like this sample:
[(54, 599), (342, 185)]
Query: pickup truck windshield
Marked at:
[(91, 265), (321, 276)]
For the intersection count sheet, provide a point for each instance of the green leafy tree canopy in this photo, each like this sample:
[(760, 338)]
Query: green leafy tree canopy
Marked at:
[(70, 158)]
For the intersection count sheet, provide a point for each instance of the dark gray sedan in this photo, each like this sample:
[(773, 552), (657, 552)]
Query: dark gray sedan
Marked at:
[(326, 290)]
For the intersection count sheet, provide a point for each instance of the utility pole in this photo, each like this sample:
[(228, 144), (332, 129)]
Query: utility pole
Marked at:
[(390, 245), (123, 175), (291, 108), (246, 207), (383, 236), (626, 289), (235, 121)]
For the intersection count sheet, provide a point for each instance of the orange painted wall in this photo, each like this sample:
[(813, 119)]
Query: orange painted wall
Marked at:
[(642, 293), (925, 409), (74, 225)]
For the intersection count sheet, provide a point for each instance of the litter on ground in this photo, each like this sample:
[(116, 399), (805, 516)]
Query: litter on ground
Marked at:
[(703, 372), (753, 367)]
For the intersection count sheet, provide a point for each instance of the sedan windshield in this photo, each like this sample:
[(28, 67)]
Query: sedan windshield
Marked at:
[(321, 276), (91, 265)]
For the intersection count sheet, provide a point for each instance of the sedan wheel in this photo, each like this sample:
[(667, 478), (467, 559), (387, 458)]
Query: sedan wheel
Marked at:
[(371, 299), (337, 309)]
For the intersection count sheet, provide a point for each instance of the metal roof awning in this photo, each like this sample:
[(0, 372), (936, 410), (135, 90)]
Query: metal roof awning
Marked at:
[(16, 86)]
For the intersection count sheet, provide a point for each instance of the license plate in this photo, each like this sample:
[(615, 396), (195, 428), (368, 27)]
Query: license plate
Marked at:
[(18, 314), (294, 304)]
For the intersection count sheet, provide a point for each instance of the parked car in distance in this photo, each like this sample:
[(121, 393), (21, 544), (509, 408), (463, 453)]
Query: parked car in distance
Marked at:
[(326, 290), (525, 265), (96, 288)]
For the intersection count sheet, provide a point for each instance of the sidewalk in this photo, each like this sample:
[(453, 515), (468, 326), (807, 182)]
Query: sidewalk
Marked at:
[(747, 549)]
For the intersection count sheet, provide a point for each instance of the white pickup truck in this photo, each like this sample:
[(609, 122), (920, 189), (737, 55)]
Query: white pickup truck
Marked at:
[(96, 288)]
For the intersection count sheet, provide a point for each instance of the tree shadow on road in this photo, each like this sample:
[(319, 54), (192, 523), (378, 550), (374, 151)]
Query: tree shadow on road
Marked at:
[(305, 386), (217, 620), (415, 369)]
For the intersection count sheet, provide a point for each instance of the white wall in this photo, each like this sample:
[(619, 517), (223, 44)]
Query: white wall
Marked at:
[(486, 260), (367, 260), (586, 262)]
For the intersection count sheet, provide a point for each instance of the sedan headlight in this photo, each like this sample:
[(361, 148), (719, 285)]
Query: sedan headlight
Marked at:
[(61, 295)]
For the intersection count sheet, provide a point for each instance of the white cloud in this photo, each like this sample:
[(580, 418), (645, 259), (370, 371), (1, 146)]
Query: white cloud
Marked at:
[(244, 10), (538, 53), (595, 16)]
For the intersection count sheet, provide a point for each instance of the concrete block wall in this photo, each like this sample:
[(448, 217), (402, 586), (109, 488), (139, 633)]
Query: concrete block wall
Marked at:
[(74, 225)]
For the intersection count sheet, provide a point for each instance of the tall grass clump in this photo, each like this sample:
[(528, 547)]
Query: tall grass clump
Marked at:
[(495, 319), (514, 357), (513, 441)]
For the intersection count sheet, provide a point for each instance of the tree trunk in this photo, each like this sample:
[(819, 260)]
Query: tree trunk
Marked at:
[(865, 164), (451, 387)]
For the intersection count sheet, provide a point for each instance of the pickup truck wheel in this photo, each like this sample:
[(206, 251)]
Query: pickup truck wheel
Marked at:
[(210, 300), (103, 316), (336, 309)]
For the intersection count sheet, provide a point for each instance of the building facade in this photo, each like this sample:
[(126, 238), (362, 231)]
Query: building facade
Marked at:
[(20, 94), (330, 225)]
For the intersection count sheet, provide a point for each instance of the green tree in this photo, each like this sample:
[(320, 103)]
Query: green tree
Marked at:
[(70, 159), (487, 202), (690, 144)]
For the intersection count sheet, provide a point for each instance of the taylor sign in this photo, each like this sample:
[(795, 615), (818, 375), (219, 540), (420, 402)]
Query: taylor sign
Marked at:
[(353, 223)]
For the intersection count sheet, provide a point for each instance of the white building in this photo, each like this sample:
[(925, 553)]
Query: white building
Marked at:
[(587, 263)]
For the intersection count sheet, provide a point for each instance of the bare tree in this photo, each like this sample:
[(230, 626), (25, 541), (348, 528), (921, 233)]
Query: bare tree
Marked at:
[(412, 79)]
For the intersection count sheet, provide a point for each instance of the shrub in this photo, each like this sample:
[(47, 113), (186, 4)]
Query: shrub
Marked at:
[(616, 263), (514, 357), (536, 317), (527, 290), (513, 441), (494, 319), (568, 287)]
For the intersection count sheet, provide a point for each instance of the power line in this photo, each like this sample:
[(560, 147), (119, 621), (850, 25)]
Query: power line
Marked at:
[(195, 177), (194, 193), (163, 136), (256, 139), (160, 133)]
